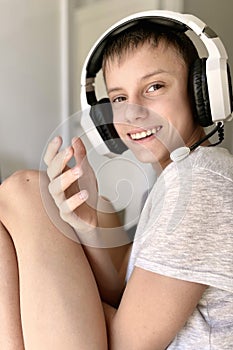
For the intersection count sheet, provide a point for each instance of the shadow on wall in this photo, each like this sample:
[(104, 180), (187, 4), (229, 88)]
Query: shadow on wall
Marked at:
[(8, 164)]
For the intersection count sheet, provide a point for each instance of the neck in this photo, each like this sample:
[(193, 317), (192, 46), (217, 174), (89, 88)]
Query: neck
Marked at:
[(197, 135)]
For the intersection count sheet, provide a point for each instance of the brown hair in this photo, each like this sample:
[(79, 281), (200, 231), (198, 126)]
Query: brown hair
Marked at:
[(151, 33), (148, 32)]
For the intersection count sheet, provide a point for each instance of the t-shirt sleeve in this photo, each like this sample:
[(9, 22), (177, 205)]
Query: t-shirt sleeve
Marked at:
[(192, 235)]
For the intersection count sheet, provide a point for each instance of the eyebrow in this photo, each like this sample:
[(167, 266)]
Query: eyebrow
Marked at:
[(156, 72), (145, 77)]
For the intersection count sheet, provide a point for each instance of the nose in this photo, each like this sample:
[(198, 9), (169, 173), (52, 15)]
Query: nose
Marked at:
[(134, 112), (130, 112)]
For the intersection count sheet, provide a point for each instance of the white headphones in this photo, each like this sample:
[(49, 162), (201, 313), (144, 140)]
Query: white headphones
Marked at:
[(211, 78)]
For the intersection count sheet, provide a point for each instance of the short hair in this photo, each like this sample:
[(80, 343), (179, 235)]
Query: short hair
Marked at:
[(148, 32)]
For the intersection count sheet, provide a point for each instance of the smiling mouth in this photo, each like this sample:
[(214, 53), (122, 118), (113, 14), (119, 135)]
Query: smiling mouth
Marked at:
[(144, 134)]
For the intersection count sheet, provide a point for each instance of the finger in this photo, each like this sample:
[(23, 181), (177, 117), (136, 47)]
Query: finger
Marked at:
[(79, 150), (64, 181), (67, 208), (52, 149), (72, 203), (59, 162), (81, 227)]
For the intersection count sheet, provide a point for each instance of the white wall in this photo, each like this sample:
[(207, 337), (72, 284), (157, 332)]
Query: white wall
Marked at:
[(30, 86)]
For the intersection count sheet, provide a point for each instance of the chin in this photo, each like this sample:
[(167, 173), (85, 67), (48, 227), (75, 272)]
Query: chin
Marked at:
[(157, 159), (145, 156)]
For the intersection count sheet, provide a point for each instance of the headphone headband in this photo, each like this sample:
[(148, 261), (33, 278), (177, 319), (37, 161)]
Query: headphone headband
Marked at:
[(95, 61), (216, 67)]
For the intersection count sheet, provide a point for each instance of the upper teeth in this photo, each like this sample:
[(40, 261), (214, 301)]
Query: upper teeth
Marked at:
[(141, 135)]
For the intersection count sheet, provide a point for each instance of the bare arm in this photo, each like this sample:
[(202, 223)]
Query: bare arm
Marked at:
[(152, 311), (110, 280)]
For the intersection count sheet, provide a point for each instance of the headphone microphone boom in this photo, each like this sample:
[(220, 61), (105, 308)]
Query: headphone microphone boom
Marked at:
[(213, 105), (182, 152)]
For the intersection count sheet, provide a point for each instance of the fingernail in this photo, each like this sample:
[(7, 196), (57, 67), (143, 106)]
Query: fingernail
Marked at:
[(56, 139), (83, 195), (77, 171)]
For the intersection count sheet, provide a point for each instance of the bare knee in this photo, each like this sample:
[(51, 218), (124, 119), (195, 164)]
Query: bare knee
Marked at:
[(25, 201), (18, 184), (20, 177), (20, 189)]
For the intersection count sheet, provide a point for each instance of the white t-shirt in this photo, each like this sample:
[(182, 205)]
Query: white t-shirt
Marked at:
[(186, 232)]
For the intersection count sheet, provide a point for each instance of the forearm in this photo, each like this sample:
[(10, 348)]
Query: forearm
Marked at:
[(109, 261), (110, 282)]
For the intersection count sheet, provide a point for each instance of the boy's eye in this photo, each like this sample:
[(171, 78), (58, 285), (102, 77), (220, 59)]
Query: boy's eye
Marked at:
[(118, 99), (155, 87)]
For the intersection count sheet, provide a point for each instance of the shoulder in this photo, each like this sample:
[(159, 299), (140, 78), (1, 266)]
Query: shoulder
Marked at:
[(204, 165), (211, 171), (217, 160), (186, 191)]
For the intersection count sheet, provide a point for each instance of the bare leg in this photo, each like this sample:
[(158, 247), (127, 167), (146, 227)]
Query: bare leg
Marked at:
[(60, 304)]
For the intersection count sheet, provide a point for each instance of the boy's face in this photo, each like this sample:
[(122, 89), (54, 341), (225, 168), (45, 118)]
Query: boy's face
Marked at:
[(149, 96)]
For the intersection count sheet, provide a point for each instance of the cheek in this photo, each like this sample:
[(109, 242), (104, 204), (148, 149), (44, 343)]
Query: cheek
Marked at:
[(120, 126), (117, 127), (180, 112), (121, 131)]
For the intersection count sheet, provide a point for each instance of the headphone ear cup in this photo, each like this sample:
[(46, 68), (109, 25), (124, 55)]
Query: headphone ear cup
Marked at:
[(102, 116), (200, 92)]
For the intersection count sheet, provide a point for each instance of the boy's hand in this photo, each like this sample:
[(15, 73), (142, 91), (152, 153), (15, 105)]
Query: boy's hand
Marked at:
[(73, 190)]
